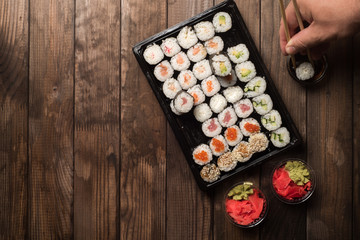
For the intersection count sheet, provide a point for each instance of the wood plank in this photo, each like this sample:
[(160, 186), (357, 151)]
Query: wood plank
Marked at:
[(330, 148), (97, 134), (356, 140), (13, 119), (143, 130), (223, 228), (283, 221), (189, 210), (51, 73)]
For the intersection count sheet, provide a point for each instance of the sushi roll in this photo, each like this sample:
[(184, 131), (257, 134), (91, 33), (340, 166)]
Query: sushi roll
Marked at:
[(173, 109), (258, 142), (218, 145), (233, 135), (233, 94), (186, 79), (222, 22), (210, 86), (204, 30), (245, 71), (214, 45), (202, 112), (262, 104), (280, 137), (198, 94), (249, 126), (238, 53), (272, 120), (210, 173), (202, 154), (211, 127), (187, 37), (197, 53), (171, 87), (170, 47), (180, 61), (242, 152), (217, 103), (227, 117), (229, 80), (226, 162), (243, 108), (163, 71), (255, 87), (221, 65), (153, 54), (202, 69), (183, 102), (305, 71)]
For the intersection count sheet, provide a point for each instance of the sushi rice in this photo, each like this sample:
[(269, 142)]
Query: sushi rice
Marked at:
[(243, 108), (173, 109), (217, 103), (233, 94), (249, 126), (218, 145), (226, 162), (197, 53), (227, 117), (171, 87), (280, 137), (202, 154), (242, 152), (258, 142), (183, 102), (202, 112), (233, 135), (153, 54), (197, 93), (210, 173), (186, 79), (211, 127), (187, 37), (204, 30)]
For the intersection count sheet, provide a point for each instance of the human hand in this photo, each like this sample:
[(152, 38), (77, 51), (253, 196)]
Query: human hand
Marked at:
[(329, 20)]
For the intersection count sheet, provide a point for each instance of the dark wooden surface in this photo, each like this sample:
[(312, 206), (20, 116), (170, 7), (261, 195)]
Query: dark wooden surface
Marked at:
[(86, 151)]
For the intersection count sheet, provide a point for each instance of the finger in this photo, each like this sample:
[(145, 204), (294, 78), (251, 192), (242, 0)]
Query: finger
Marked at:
[(292, 25)]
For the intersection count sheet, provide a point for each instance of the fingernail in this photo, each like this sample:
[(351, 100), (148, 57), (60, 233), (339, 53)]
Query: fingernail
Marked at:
[(290, 50)]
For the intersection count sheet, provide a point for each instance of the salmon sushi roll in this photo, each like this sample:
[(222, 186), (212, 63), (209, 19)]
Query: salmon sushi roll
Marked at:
[(222, 22), (227, 117), (210, 173), (233, 135), (197, 53), (171, 87), (204, 30), (210, 86), (211, 127), (226, 162), (249, 126), (202, 69), (243, 108), (202, 154), (153, 54), (180, 62), (187, 37), (214, 45), (186, 79), (197, 93), (218, 145), (170, 47), (163, 71)]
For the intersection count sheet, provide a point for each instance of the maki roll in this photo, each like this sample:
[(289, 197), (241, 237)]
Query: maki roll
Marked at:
[(233, 135), (163, 71), (202, 112), (245, 71), (210, 173), (272, 120), (222, 22), (173, 109), (183, 102), (170, 47), (243, 108), (255, 87), (229, 80), (187, 37), (227, 117), (210, 86), (197, 53), (242, 152), (171, 87), (186, 79), (280, 137), (226, 162), (180, 61), (233, 94), (202, 69), (238, 53), (221, 65), (153, 54), (211, 127), (202, 154), (204, 30), (262, 104), (249, 126), (214, 45), (218, 145), (258, 142), (198, 94), (305, 71), (217, 103)]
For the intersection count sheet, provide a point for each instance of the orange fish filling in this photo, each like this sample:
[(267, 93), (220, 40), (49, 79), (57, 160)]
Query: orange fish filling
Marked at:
[(196, 98), (231, 134), (187, 78), (209, 86), (202, 156), (213, 44), (219, 145), (180, 60), (163, 70), (251, 127)]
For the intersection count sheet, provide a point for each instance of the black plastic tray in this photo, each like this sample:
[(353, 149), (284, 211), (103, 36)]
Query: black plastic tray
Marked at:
[(186, 128)]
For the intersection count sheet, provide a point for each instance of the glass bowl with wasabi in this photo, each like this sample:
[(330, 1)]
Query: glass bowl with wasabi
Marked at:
[(293, 181), (246, 205)]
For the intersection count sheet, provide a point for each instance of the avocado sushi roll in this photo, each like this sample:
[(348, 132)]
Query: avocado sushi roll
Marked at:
[(221, 65), (222, 22), (245, 71), (238, 53)]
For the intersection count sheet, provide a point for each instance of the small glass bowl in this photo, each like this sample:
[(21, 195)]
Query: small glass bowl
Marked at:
[(321, 67), (262, 214), (307, 195)]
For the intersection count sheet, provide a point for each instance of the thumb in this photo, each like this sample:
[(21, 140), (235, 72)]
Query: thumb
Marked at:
[(307, 38)]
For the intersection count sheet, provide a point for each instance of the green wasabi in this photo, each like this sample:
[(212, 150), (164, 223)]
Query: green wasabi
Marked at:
[(298, 172), (241, 192)]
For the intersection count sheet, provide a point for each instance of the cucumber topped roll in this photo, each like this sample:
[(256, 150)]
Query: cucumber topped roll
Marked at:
[(255, 87), (272, 120), (280, 137), (262, 104)]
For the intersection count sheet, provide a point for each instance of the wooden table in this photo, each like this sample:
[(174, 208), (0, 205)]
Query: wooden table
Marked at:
[(86, 151)]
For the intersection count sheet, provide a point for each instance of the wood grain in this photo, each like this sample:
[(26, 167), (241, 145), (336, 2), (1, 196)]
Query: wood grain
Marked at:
[(281, 216), (143, 130), (189, 210), (330, 148), (51, 72), (97, 133), (13, 119)]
